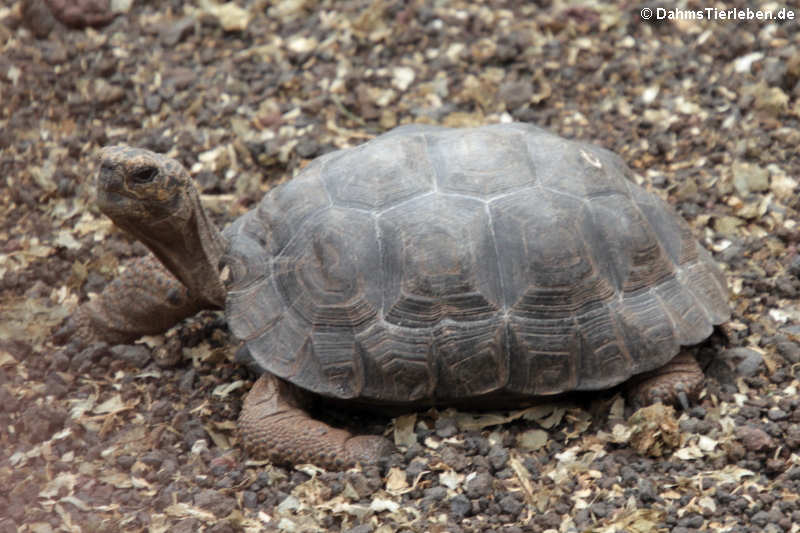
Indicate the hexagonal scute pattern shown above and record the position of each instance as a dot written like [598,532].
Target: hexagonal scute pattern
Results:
[327,274]
[437,265]
[287,206]
[464,166]
[400,363]
[439,262]
[379,174]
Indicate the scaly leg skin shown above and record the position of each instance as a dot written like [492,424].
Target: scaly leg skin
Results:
[145,299]
[674,383]
[274,425]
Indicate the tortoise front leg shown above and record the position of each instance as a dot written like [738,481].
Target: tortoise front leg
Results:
[275,426]
[674,383]
[144,300]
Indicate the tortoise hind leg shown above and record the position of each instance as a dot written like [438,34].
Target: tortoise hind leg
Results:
[274,425]
[674,383]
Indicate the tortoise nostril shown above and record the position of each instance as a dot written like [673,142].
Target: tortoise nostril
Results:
[106,173]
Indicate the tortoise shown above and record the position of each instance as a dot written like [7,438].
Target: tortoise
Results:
[428,266]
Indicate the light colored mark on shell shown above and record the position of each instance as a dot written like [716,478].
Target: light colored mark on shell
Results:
[591,159]
[225,274]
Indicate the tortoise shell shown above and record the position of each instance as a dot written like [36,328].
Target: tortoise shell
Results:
[436,265]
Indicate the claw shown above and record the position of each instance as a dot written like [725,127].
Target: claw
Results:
[76,330]
[683,398]
[67,331]
[62,334]
[656,396]
[679,390]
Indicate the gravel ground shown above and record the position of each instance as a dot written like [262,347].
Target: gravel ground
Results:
[141,438]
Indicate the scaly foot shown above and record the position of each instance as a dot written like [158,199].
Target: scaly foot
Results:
[274,425]
[677,382]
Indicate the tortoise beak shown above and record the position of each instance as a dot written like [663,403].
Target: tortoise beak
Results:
[110,186]
[107,179]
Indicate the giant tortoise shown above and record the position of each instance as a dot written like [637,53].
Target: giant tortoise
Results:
[428,266]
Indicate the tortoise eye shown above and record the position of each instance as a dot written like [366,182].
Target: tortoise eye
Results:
[144,175]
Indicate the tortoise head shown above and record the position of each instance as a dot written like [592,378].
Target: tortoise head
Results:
[152,197]
[142,191]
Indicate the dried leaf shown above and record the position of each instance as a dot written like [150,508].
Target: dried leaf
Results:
[532,440]
[581,421]
[707,503]
[66,240]
[226,388]
[621,433]
[404,430]
[204,353]
[523,476]
[379,504]
[349,492]
[654,430]
[469,422]
[357,510]
[140,483]
[462,119]
[402,77]
[231,17]
[642,520]
[63,481]
[688,452]
[451,479]
[432,443]
[729,474]
[184,510]
[80,504]
[221,440]
[151,341]
[546,416]
[706,443]
[6,359]
[117,479]
[396,481]
[617,410]
[113,405]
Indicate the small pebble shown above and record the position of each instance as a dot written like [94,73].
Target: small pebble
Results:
[777,414]
[446,427]
[136,355]
[498,457]
[480,485]
[460,506]
[511,505]
[789,351]
[753,438]
[362,528]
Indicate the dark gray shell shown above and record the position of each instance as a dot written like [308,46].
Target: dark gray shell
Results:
[437,265]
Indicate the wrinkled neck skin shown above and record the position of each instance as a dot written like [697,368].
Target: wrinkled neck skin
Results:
[189,244]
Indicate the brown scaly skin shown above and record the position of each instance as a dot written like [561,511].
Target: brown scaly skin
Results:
[153,198]
[677,382]
[271,416]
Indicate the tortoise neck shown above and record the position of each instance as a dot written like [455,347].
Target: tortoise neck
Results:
[192,252]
